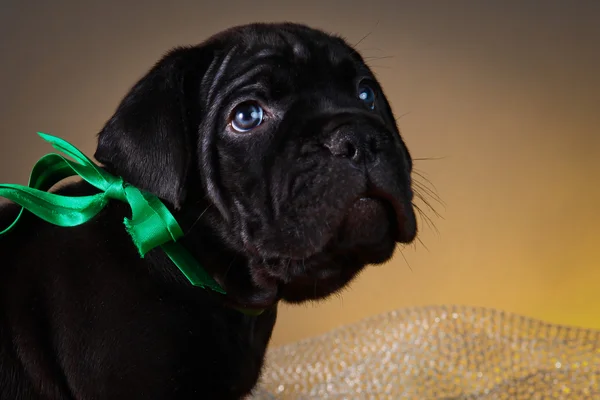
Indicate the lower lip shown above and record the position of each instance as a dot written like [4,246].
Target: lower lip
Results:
[402,227]
[363,220]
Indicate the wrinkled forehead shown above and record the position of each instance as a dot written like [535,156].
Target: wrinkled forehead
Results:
[299,44]
[291,60]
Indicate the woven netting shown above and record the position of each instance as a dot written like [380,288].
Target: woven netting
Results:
[438,353]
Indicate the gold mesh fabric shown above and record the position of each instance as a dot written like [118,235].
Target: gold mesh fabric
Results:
[438,353]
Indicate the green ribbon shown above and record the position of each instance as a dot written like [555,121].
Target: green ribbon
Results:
[151,224]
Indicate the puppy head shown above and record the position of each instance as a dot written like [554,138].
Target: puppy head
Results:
[285,138]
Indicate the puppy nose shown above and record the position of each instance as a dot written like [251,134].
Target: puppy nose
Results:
[353,146]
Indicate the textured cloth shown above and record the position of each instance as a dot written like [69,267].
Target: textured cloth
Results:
[438,353]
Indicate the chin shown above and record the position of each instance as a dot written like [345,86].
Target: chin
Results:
[367,234]
[357,245]
[325,278]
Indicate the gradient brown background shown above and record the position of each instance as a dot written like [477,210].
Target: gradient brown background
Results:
[507,93]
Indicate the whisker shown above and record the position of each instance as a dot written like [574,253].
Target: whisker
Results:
[401,116]
[425,218]
[379,66]
[424,196]
[201,200]
[423,176]
[428,158]
[422,244]
[406,260]
[372,48]
[365,37]
[362,39]
[229,266]
[418,186]
[200,216]
[427,193]
[428,188]
[374,58]
[427,203]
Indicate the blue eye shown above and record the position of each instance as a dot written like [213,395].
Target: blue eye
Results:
[367,95]
[246,117]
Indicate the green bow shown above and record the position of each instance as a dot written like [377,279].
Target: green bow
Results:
[151,225]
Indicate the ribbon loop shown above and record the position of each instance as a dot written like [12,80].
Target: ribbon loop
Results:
[116,190]
[151,225]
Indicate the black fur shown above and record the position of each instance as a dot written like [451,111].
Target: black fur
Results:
[290,211]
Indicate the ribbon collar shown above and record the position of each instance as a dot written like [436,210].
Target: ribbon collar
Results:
[151,225]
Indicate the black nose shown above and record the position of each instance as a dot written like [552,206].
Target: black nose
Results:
[354,146]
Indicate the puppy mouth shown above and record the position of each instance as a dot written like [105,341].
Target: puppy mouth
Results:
[375,215]
[368,232]
[363,222]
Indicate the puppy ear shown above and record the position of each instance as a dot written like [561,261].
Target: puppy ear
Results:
[150,140]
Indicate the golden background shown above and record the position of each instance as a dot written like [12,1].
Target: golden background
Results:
[504,95]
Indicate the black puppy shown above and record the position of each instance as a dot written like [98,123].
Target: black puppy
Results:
[277,151]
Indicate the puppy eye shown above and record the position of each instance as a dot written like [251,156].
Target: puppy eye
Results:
[367,95]
[246,117]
